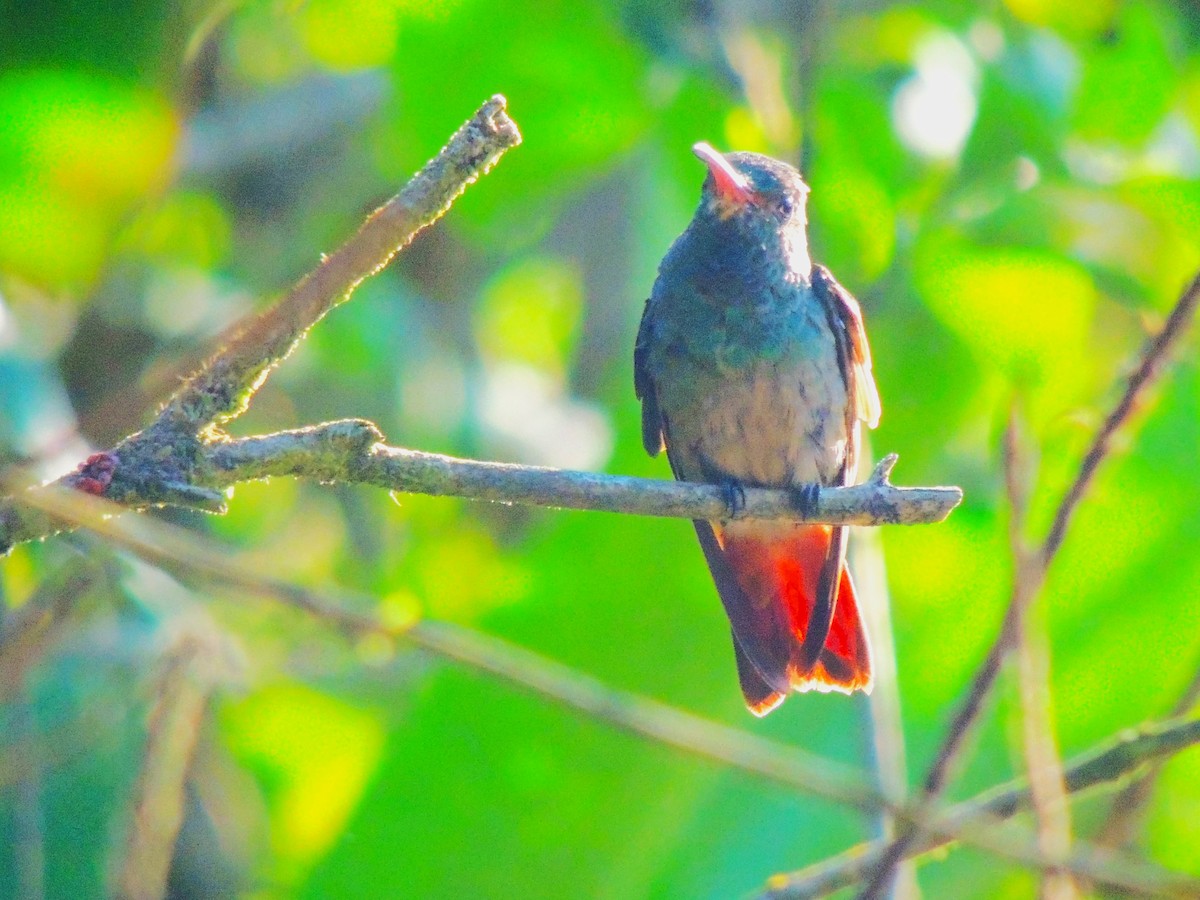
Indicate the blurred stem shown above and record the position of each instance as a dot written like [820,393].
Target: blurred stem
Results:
[809,27]
[173,548]
[1047,792]
[28,827]
[172,733]
[1048,795]
[887,728]
[1128,808]
[1108,762]
[1154,359]
[26,632]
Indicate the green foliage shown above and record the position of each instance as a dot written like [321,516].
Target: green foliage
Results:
[159,181]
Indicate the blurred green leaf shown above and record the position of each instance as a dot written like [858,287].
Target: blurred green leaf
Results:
[1026,312]
[1128,80]
[315,775]
[76,152]
[531,312]
[571,81]
[854,222]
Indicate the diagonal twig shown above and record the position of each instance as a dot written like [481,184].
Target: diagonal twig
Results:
[220,390]
[1129,805]
[1107,763]
[1154,358]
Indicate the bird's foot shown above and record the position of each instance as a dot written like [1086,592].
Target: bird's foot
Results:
[735,497]
[806,498]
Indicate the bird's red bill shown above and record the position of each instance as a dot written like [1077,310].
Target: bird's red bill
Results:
[732,185]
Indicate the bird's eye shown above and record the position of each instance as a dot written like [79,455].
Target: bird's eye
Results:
[784,206]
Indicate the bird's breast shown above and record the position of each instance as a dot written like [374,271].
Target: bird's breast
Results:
[764,409]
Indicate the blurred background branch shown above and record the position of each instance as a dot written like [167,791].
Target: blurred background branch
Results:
[1031,570]
[189,671]
[1110,762]
[174,720]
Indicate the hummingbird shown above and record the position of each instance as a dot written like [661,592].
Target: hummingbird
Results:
[753,370]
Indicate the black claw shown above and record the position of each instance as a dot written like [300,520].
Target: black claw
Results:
[806,498]
[735,497]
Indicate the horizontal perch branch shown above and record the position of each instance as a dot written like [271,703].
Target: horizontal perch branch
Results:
[352,451]
[183,459]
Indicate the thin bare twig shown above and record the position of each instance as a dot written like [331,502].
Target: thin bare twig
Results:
[220,390]
[350,451]
[1109,762]
[1154,358]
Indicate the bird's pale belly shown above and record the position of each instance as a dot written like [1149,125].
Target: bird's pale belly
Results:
[774,425]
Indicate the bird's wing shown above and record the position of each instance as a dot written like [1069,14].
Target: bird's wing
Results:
[643,384]
[846,321]
[854,357]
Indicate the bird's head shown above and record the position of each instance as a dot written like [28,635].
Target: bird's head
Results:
[757,197]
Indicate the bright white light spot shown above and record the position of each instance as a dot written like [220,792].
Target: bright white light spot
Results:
[986,39]
[1173,149]
[1027,175]
[530,413]
[8,328]
[51,439]
[934,109]
[433,393]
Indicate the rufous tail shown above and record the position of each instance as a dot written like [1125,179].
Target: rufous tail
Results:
[768,580]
